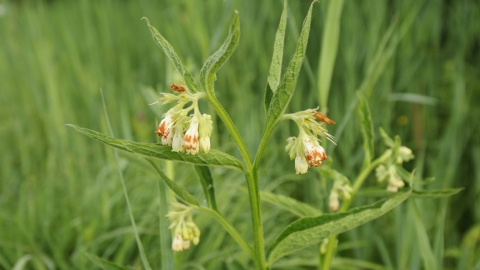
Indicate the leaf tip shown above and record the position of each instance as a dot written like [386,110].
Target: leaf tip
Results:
[145,19]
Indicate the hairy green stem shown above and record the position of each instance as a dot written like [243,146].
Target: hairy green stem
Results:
[252,183]
[230,229]
[356,186]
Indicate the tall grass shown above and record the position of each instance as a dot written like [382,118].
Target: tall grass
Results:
[59,192]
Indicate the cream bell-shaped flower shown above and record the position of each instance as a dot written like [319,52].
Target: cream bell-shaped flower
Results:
[190,140]
[177,243]
[164,129]
[301,165]
[204,132]
[177,142]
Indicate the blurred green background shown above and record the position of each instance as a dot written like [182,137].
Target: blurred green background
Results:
[417,61]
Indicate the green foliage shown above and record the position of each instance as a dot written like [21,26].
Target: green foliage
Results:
[284,93]
[212,158]
[60,195]
[277,58]
[104,264]
[172,55]
[181,193]
[208,73]
[367,128]
[308,231]
[206,180]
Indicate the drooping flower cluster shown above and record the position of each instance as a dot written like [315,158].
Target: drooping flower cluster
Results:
[185,133]
[306,148]
[185,230]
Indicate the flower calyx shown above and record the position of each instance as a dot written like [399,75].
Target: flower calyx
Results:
[181,130]
[185,230]
[306,148]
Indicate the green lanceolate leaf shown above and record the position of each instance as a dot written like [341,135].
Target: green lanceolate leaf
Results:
[308,231]
[172,55]
[285,90]
[212,158]
[367,128]
[293,206]
[216,60]
[277,58]
[276,64]
[177,189]
[435,193]
[416,194]
[206,180]
[104,264]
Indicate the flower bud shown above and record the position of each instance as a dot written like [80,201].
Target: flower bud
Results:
[177,244]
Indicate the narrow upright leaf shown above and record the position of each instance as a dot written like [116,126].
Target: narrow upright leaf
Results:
[367,127]
[212,158]
[206,180]
[277,58]
[216,60]
[276,64]
[308,231]
[172,55]
[285,90]
[177,189]
[388,141]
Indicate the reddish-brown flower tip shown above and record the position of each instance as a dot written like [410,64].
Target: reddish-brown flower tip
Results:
[323,118]
[177,88]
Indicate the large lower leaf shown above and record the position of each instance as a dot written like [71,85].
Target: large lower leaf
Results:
[308,231]
[172,55]
[216,60]
[212,158]
[285,90]
[176,188]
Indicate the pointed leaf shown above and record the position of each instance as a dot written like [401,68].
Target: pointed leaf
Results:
[216,60]
[308,231]
[212,158]
[435,193]
[177,189]
[206,180]
[285,90]
[367,127]
[104,264]
[172,55]
[276,65]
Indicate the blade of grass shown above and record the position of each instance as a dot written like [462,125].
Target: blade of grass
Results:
[143,256]
[326,62]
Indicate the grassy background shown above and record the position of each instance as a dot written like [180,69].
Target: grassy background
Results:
[60,194]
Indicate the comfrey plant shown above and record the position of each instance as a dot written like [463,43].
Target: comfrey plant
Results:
[185,137]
